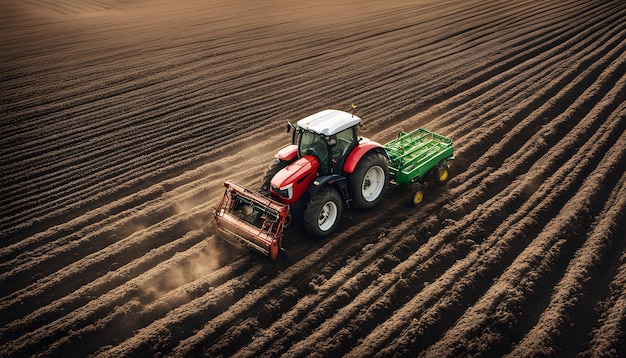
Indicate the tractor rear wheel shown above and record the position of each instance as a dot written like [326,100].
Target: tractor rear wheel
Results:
[369,181]
[322,213]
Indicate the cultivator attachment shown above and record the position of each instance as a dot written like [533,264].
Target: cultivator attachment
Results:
[248,218]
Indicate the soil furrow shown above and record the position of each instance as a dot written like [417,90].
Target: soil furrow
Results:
[90,266]
[524,275]
[49,334]
[608,337]
[123,276]
[557,323]
[481,219]
[121,120]
[502,213]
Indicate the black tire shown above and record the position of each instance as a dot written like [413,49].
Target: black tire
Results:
[441,173]
[367,193]
[275,166]
[323,212]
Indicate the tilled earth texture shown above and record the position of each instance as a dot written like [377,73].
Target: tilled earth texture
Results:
[121,119]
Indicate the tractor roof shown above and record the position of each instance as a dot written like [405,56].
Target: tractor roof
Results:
[329,121]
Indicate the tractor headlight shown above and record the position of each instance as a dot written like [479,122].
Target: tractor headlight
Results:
[285,192]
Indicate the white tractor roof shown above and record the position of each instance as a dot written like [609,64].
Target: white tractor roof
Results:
[329,121]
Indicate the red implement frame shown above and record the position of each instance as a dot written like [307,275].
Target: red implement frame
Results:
[248,218]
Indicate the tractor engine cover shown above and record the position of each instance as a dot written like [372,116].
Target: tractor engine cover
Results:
[288,185]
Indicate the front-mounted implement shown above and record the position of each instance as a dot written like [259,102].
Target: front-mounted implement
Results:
[245,217]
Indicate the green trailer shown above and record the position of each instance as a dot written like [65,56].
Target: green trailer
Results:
[417,156]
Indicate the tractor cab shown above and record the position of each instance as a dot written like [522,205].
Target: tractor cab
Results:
[329,136]
[321,148]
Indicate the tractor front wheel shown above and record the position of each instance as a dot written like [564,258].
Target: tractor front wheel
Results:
[275,166]
[322,213]
[369,180]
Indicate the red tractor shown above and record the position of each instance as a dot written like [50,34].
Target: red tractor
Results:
[326,167]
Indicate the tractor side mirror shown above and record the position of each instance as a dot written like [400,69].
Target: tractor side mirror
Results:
[290,126]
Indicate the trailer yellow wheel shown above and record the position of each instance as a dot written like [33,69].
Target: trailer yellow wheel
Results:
[418,197]
[441,173]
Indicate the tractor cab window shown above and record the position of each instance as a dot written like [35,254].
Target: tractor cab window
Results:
[312,143]
[331,151]
[341,144]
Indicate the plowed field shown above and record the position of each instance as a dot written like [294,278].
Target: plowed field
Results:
[120,120]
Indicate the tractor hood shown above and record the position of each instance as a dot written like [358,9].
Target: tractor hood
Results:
[288,185]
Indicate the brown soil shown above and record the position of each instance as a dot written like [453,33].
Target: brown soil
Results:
[122,118]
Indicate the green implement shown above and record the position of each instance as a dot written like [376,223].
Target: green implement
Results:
[414,155]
